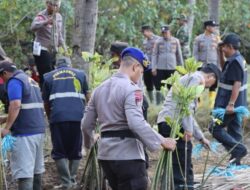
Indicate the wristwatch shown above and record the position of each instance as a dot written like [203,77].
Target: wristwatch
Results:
[231,103]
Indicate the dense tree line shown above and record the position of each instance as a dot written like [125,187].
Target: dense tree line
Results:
[121,20]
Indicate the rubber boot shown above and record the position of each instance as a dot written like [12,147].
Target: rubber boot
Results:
[158,97]
[211,95]
[63,171]
[25,184]
[73,168]
[37,182]
[151,96]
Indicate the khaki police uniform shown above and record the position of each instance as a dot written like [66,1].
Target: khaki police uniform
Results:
[166,56]
[50,38]
[205,49]
[148,45]
[117,103]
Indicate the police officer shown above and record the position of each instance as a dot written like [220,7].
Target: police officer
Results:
[183,35]
[232,93]
[116,103]
[207,76]
[64,91]
[47,26]
[205,50]
[166,55]
[25,121]
[148,45]
[205,45]
[116,49]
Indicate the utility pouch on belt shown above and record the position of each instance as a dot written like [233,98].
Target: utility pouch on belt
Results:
[121,133]
[37,48]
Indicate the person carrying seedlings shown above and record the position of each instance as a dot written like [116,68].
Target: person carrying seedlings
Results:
[232,93]
[64,92]
[47,26]
[208,76]
[25,121]
[117,107]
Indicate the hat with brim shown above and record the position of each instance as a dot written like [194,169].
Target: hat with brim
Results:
[63,61]
[212,68]
[6,65]
[210,23]
[232,39]
[165,28]
[117,47]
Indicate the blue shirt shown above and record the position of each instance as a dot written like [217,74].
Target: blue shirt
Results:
[15,89]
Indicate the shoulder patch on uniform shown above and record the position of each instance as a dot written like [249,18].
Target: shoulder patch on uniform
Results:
[138,97]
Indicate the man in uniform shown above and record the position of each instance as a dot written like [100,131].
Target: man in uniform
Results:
[205,50]
[117,103]
[166,55]
[25,121]
[116,49]
[232,93]
[47,26]
[207,76]
[183,35]
[148,45]
[64,93]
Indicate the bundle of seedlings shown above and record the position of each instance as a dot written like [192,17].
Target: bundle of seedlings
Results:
[92,178]
[183,95]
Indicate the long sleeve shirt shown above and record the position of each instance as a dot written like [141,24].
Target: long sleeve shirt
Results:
[170,107]
[117,105]
[166,54]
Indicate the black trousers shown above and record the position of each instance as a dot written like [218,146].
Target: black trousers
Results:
[125,174]
[44,64]
[66,139]
[162,75]
[148,80]
[179,154]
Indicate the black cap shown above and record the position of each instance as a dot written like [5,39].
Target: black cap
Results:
[232,39]
[117,47]
[165,28]
[146,27]
[210,23]
[212,68]
[6,65]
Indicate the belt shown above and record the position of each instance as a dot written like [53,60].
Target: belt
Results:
[121,133]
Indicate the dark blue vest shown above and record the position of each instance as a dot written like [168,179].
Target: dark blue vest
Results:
[225,87]
[66,95]
[30,119]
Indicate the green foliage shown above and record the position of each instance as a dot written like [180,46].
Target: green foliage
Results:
[183,94]
[100,69]
[15,20]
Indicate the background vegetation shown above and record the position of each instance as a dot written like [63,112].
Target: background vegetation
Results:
[119,20]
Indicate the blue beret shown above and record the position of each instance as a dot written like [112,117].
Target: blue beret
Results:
[136,54]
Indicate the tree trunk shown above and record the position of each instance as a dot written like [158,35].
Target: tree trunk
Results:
[84,31]
[213,10]
[191,3]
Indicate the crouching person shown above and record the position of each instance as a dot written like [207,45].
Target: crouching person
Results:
[25,121]
[207,76]
[117,104]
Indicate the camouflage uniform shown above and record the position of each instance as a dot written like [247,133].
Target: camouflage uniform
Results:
[182,35]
